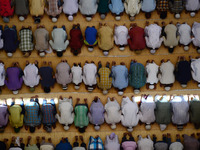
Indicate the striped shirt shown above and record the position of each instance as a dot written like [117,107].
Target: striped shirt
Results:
[81,115]
[26,40]
[104,81]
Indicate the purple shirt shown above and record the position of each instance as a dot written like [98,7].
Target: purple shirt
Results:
[14,75]
[96,114]
[3,115]
[129,145]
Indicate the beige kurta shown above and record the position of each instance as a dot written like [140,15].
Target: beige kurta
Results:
[36,7]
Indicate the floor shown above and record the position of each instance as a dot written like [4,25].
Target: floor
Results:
[114,55]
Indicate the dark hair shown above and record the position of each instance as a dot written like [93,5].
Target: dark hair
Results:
[47,89]
[170,50]
[163,15]
[59,54]
[81,130]
[32,129]
[148,15]
[75,52]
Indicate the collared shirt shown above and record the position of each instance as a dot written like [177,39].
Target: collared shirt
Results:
[48,114]
[105,38]
[121,35]
[137,38]
[41,39]
[145,144]
[152,71]
[132,7]
[59,42]
[176,6]
[176,146]
[184,31]
[120,76]
[3,115]
[104,82]
[113,113]
[14,75]
[130,117]
[46,74]
[53,9]
[88,7]
[195,66]
[64,146]
[180,110]
[148,5]
[26,40]
[192,5]
[31,77]
[95,143]
[137,75]
[15,117]
[36,7]
[112,142]
[196,33]
[96,114]
[89,74]
[63,74]
[70,7]
[162,5]
[90,36]
[66,116]
[76,74]
[190,143]
[32,116]
[167,73]
[116,6]
[81,118]
[152,36]
[2,74]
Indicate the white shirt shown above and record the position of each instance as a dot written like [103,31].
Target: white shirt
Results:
[121,35]
[192,5]
[132,7]
[145,144]
[46,147]
[88,7]
[195,65]
[147,110]
[1,40]
[176,146]
[196,33]
[76,74]
[113,113]
[58,43]
[167,73]
[152,71]
[70,7]
[180,108]
[31,77]
[89,74]
[130,115]
[3,74]
[184,31]
[66,116]
[153,33]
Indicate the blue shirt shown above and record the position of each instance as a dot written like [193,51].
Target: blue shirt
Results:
[120,76]
[95,143]
[64,146]
[148,5]
[116,6]
[90,35]
[46,74]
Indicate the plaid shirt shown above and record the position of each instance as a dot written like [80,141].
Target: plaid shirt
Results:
[162,5]
[26,43]
[32,116]
[104,81]
[176,6]
[95,144]
[53,8]
[48,114]
[81,115]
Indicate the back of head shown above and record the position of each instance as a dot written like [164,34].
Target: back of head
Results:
[47,89]
[60,54]
[81,130]
[163,15]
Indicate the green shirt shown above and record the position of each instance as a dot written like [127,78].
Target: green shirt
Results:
[81,115]
[195,111]
[103,6]
[31,147]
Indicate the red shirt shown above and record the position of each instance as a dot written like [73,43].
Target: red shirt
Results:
[137,40]
[76,41]
[5,8]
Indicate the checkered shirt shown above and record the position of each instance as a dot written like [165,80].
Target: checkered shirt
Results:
[162,5]
[53,8]
[95,144]
[81,115]
[26,43]
[48,114]
[177,6]
[104,81]
[32,118]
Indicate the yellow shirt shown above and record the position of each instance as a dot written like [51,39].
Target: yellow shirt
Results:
[15,117]
[36,7]
[104,82]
